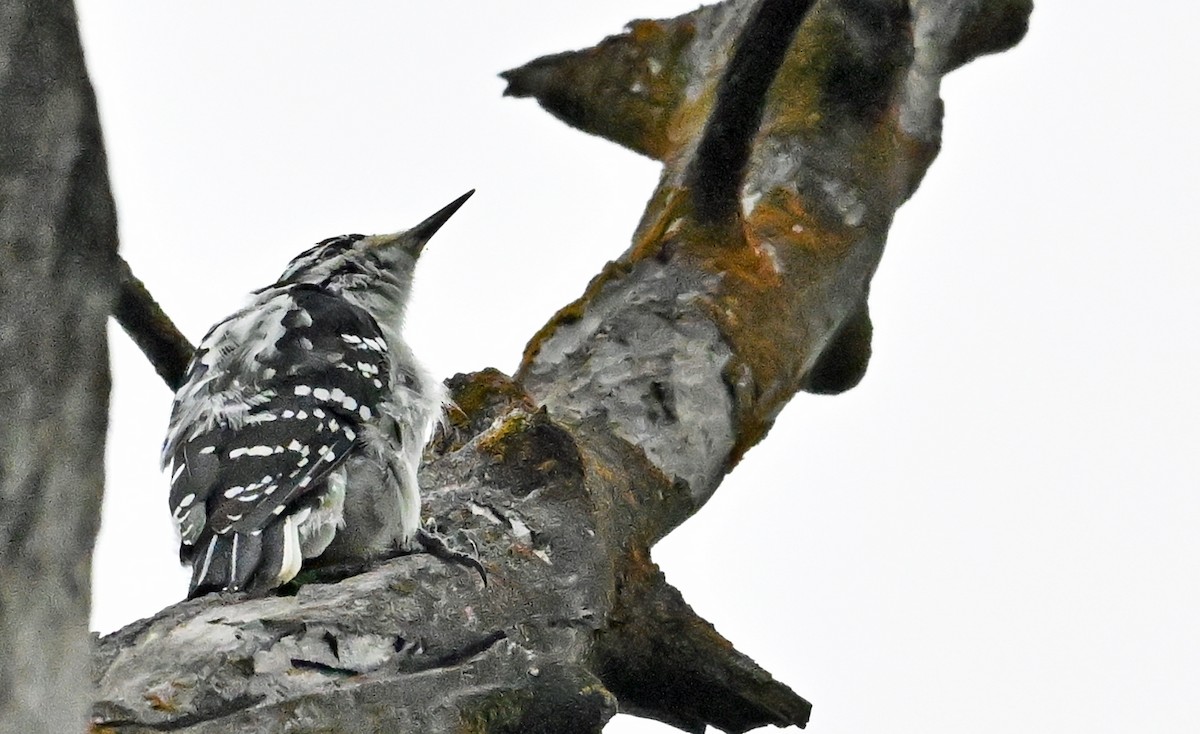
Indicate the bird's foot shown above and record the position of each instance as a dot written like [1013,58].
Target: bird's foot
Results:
[435,545]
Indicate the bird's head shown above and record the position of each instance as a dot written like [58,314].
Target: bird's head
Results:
[368,266]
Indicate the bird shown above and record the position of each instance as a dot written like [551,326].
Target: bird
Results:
[302,418]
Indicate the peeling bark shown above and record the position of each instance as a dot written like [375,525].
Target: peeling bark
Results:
[628,409]
[57,266]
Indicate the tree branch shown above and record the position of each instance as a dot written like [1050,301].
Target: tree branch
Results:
[715,175]
[832,160]
[630,406]
[665,662]
[168,350]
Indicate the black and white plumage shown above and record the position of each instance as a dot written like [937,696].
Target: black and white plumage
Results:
[300,425]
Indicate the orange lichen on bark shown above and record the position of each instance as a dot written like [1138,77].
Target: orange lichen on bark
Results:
[623,89]
[573,311]
[638,580]
[638,569]
[499,442]
[473,396]
[902,157]
[686,123]
[830,163]
[762,262]
[796,95]
[782,223]
[476,400]
[158,703]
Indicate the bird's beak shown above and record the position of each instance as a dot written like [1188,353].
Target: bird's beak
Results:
[423,231]
[413,240]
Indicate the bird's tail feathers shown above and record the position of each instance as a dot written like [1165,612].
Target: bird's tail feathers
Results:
[239,561]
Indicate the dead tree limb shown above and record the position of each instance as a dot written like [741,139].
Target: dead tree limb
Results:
[628,408]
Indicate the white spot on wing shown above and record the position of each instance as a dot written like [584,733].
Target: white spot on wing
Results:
[252,451]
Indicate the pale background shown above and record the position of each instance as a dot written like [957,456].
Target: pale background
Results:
[995,532]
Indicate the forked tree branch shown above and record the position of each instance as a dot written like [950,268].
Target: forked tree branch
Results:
[628,409]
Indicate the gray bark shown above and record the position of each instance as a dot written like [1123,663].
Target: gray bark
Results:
[627,411]
[559,517]
[57,274]
[726,321]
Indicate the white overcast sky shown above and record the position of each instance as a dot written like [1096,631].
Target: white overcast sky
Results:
[995,532]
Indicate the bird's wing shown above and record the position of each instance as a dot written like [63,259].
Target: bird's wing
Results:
[278,414]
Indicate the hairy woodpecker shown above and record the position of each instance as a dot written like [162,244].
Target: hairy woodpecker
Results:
[302,419]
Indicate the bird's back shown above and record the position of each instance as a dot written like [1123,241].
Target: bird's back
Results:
[277,398]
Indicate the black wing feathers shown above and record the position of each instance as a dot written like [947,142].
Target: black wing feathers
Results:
[326,375]
[332,344]
[285,450]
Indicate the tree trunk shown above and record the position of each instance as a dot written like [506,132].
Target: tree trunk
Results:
[786,153]
[57,267]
